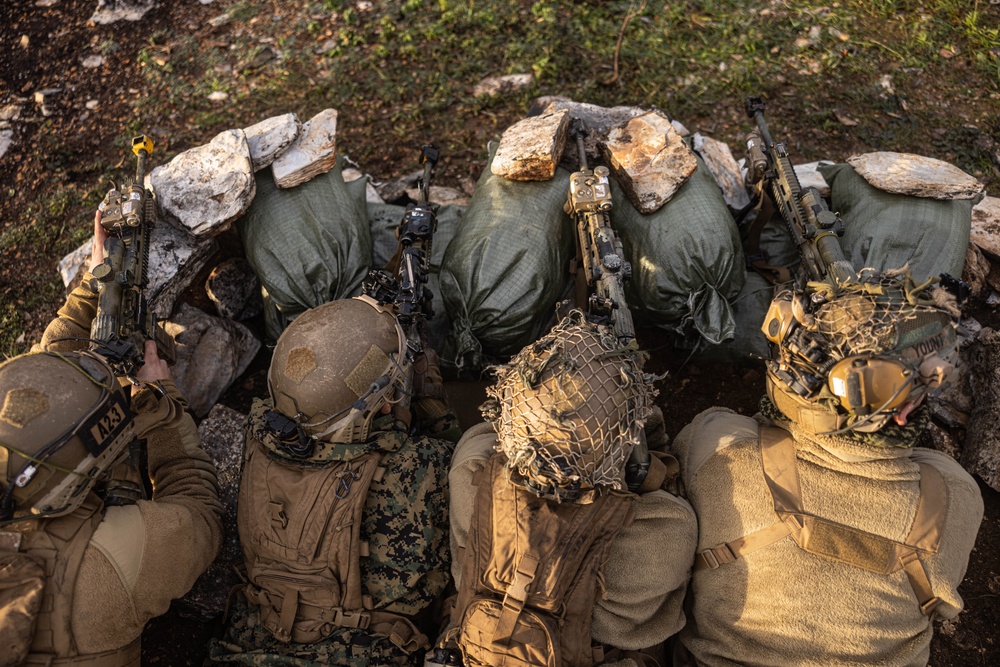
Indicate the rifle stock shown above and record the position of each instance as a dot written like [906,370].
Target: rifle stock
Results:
[124,320]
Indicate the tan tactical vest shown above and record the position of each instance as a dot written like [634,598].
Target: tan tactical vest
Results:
[836,541]
[299,524]
[531,572]
[39,564]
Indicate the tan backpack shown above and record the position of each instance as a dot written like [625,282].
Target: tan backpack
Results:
[836,541]
[532,571]
[299,524]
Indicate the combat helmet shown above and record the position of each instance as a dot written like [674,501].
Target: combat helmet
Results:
[333,370]
[853,356]
[569,408]
[64,421]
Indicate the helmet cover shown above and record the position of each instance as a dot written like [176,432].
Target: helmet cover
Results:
[569,408]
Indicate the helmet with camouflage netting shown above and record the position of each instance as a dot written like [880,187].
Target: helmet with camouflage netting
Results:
[64,421]
[853,356]
[569,408]
[333,370]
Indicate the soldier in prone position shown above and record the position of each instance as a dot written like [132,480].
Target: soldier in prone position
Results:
[86,560]
[555,561]
[825,536]
[343,515]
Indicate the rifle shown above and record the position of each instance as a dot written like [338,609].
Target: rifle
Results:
[602,269]
[812,225]
[124,320]
[411,263]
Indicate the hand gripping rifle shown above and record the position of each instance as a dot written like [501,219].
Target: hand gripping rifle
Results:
[124,320]
[411,263]
[602,269]
[813,226]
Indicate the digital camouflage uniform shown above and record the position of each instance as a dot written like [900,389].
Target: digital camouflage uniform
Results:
[405,522]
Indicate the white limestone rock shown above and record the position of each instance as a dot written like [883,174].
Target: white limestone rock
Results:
[268,138]
[204,189]
[599,121]
[915,175]
[111,11]
[441,195]
[496,85]
[531,148]
[175,259]
[681,130]
[809,176]
[211,354]
[720,162]
[372,196]
[313,152]
[649,160]
[986,226]
[234,289]
[6,140]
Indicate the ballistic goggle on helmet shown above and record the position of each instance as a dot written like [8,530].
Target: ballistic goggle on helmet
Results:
[856,355]
[333,370]
[569,408]
[64,421]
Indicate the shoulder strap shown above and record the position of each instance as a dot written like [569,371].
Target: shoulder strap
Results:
[843,543]
[60,543]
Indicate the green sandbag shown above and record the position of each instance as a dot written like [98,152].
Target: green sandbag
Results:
[308,245]
[687,259]
[887,230]
[506,267]
[383,220]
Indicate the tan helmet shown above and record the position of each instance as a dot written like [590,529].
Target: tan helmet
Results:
[64,421]
[333,369]
[569,408]
[851,356]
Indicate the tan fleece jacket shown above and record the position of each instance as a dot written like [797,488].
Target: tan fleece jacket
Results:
[145,555]
[780,605]
[647,570]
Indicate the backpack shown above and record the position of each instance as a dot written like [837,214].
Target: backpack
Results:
[532,571]
[300,526]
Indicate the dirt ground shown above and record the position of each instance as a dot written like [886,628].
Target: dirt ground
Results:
[59,160]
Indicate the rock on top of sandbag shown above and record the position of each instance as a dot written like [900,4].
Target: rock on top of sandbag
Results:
[204,189]
[268,138]
[531,148]
[649,159]
[314,152]
[726,172]
[599,121]
[915,175]
[986,225]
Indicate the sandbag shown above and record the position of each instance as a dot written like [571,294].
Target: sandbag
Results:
[383,220]
[687,259]
[506,268]
[308,245]
[886,230]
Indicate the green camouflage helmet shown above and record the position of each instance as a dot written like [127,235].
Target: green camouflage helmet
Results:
[64,421]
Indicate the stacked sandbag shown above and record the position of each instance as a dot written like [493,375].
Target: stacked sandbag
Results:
[687,259]
[506,267]
[308,245]
[900,208]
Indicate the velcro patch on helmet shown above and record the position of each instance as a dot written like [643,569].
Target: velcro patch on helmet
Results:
[22,405]
[371,366]
[301,362]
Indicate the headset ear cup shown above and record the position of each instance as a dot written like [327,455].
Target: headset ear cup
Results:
[855,392]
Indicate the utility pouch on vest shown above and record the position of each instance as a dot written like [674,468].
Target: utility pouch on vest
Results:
[22,580]
[532,571]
